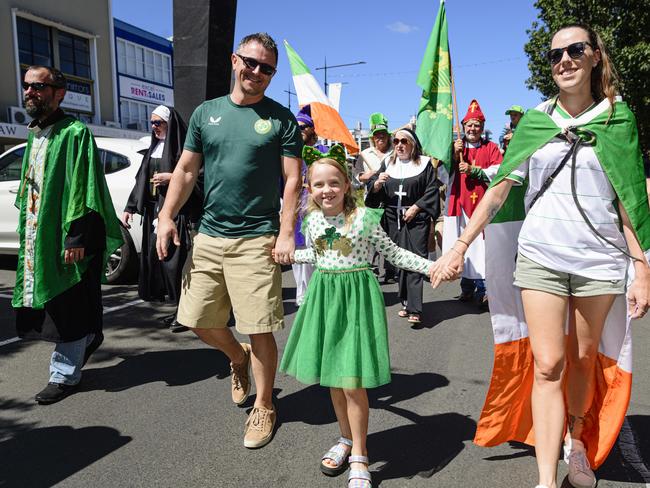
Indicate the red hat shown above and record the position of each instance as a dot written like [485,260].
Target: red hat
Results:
[474,112]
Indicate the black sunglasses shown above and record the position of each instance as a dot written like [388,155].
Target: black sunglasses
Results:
[251,64]
[575,50]
[38,86]
[157,123]
[403,140]
[303,127]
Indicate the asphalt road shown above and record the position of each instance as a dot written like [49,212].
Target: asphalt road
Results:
[154,409]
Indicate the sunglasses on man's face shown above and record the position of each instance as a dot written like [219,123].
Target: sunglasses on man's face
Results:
[251,64]
[403,140]
[303,127]
[157,123]
[575,51]
[37,86]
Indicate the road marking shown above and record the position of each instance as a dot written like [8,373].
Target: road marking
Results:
[124,305]
[9,341]
[106,310]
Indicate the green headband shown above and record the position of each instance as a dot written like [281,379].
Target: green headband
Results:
[310,154]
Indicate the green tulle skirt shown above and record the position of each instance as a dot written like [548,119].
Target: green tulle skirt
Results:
[339,337]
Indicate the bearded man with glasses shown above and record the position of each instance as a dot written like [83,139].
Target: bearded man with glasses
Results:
[246,143]
[67,228]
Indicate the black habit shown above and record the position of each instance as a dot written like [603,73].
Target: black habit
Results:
[159,280]
[422,190]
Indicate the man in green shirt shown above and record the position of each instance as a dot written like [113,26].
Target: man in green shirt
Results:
[248,145]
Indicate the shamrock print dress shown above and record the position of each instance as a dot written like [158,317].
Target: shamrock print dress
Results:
[339,337]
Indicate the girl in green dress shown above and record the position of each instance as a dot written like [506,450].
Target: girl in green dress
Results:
[339,336]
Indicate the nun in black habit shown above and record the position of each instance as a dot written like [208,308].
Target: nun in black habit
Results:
[407,188]
[161,280]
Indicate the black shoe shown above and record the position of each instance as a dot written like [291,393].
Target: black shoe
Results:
[175,327]
[482,303]
[54,392]
[93,346]
[169,319]
[466,296]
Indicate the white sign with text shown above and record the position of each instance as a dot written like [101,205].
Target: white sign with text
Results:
[146,92]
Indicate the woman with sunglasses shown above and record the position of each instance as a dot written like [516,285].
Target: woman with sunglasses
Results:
[405,185]
[160,280]
[562,372]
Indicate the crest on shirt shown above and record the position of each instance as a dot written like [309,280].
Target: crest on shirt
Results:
[214,121]
[262,126]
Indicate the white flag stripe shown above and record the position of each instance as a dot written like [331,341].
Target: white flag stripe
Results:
[309,91]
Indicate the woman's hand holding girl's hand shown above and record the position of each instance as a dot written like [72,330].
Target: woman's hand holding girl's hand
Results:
[638,296]
[449,267]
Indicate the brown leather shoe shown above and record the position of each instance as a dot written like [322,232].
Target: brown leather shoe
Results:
[240,377]
[259,427]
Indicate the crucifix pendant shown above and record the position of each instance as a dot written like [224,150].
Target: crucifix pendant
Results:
[400,193]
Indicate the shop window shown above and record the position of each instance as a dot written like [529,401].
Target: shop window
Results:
[34,43]
[74,55]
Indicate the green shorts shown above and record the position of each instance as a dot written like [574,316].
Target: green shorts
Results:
[534,276]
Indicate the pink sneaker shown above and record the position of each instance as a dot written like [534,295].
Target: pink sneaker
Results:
[580,473]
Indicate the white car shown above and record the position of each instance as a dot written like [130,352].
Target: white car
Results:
[121,162]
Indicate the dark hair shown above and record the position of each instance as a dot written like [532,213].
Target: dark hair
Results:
[264,39]
[56,77]
[603,77]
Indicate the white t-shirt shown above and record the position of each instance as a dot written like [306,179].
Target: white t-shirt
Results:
[554,234]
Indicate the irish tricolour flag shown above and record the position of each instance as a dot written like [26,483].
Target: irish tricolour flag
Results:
[327,121]
[507,412]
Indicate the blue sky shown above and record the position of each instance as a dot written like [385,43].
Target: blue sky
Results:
[486,46]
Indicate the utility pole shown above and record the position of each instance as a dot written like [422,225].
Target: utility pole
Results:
[289,96]
[330,66]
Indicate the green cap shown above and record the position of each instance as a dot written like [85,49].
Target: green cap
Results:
[515,108]
[378,122]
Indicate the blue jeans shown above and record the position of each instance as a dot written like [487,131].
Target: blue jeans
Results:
[67,360]
[473,286]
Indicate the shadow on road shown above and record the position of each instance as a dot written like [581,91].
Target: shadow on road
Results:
[422,448]
[49,455]
[154,366]
[628,460]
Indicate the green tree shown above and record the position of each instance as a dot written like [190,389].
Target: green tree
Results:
[624,26]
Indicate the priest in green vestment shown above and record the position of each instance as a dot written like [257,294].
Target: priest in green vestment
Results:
[67,227]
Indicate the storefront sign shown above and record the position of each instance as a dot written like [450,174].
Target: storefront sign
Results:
[78,96]
[146,92]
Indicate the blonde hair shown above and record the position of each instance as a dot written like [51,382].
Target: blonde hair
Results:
[415,152]
[349,202]
[604,79]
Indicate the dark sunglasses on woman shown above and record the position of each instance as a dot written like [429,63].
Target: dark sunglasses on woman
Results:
[403,140]
[157,123]
[575,50]
[251,64]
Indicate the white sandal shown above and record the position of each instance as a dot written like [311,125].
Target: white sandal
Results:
[359,478]
[339,455]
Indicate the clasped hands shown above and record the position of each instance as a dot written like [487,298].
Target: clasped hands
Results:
[448,268]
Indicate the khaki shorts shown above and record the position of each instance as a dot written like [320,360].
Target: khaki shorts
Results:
[239,274]
[534,276]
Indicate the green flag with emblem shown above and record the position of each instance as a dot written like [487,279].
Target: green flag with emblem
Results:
[434,122]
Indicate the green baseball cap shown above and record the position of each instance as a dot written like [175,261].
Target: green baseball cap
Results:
[515,108]
[378,122]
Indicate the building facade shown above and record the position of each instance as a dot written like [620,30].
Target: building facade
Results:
[144,74]
[75,36]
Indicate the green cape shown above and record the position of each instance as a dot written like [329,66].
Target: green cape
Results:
[617,149]
[73,185]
